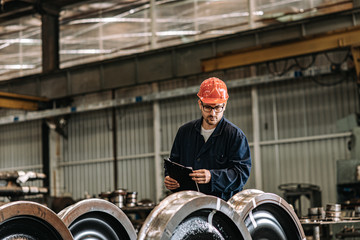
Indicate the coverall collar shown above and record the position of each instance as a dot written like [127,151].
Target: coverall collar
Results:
[218,130]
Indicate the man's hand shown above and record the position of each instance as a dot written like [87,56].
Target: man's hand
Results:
[171,183]
[201,176]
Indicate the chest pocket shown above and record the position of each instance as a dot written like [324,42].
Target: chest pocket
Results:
[222,160]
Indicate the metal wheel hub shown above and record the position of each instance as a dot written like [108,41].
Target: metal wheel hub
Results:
[102,228]
[265,226]
[31,228]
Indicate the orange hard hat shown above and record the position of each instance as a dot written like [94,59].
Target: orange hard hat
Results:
[213,91]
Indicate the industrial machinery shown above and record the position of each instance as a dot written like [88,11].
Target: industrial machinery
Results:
[348,170]
[293,193]
[330,223]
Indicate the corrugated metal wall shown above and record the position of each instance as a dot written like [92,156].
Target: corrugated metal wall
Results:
[300,142]
[88,154]
[21,148]
[136,150]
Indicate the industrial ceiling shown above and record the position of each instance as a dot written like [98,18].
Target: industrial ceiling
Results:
[92,31]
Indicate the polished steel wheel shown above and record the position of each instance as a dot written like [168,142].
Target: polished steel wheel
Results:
[190,215]
[97,219]
[267,216]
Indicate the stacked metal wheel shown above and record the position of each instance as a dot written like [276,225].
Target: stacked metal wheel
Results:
[186,215]
[30,220]
[87,219]
[250,214]
[267,216]
[97,219]
[193,215]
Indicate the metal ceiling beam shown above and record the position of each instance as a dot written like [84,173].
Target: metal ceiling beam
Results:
[179,92]
[12,9]
[16,13]
[50,41]
[324,42]
[18,101]
[172,62]
[18,104]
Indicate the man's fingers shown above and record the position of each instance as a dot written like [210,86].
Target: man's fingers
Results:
[170,180]
[171,183]
[201,176]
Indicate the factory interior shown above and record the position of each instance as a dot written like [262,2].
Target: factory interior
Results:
[93,93]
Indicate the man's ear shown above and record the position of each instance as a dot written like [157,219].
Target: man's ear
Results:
[199,102]
[225,105]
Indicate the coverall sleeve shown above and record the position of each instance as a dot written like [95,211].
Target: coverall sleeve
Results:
[234,177]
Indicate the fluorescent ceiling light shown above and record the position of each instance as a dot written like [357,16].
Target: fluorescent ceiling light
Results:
[17,66]
[101,5]
[115,37]
[21,40]
[177,33]
[86,51]
[110,20]
[162,20]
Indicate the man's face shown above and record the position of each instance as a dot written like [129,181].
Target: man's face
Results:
[212,114]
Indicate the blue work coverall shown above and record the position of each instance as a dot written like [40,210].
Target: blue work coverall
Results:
[226,154]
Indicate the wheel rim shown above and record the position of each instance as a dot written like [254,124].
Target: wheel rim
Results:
[267,216]
[97,219]
[29,220]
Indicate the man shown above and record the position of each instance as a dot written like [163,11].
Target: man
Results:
[215,148]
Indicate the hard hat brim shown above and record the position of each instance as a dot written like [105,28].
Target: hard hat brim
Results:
[213,100]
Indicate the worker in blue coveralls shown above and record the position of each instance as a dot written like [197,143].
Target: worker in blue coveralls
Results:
[215,148]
